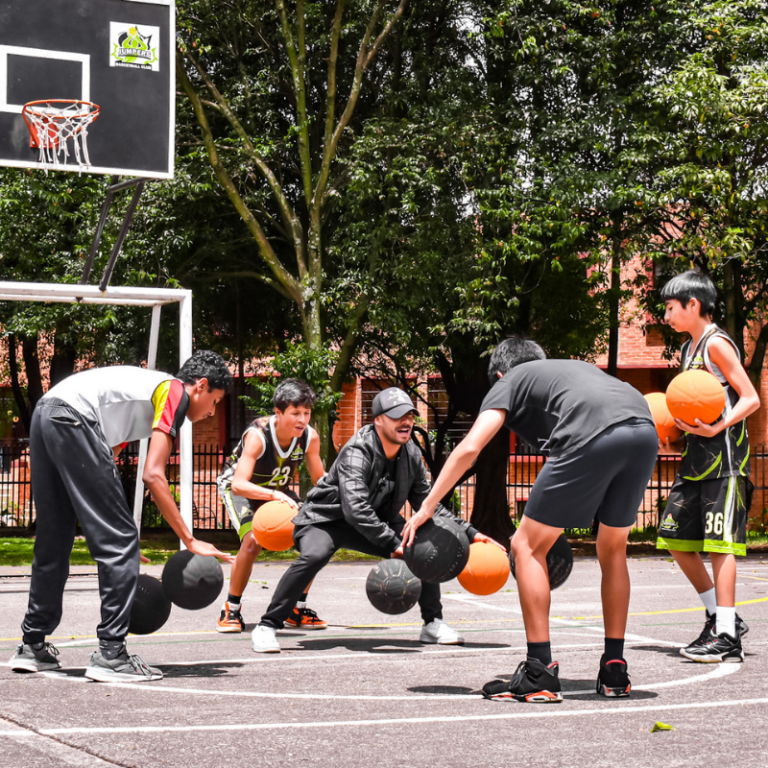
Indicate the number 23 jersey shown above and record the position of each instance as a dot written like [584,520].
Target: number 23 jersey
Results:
[275,467]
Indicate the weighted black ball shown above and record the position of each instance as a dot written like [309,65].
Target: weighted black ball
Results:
[192,581]
[439,551]
[559,562]
[151,606]
[392,588]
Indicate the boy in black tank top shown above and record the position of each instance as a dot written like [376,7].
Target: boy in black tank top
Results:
[260,470]
[707,507]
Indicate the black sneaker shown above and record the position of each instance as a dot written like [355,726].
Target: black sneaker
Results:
[716,648]
[613,679]
[124,667]
[533,682]
[709,630]
[39,657]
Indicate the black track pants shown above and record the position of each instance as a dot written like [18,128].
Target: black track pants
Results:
[317,544]
[74,478]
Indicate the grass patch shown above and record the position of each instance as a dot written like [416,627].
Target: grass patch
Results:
[19,552]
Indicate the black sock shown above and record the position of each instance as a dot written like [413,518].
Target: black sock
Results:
[540,651]
[234,598]
[110,649]
[614,648]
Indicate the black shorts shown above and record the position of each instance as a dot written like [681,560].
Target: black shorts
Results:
[706,516]
[605,479]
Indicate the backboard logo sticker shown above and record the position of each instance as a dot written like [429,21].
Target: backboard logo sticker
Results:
[134,46]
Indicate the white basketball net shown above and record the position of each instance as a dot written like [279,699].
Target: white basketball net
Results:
[54,124]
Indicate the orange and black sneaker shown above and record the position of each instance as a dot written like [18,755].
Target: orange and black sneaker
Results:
[230,620]
[613,678]
[305,618]
[533,682]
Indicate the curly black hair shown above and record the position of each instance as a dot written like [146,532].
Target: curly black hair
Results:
[205,364]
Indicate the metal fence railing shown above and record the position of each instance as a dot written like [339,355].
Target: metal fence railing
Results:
[17,505]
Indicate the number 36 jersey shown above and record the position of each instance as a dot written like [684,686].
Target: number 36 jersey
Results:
[274,466]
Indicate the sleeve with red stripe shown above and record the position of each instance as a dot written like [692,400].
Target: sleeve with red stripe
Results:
[171,402]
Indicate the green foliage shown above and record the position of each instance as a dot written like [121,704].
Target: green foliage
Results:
[298,362]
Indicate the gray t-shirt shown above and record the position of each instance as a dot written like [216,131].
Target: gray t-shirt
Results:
[558,406]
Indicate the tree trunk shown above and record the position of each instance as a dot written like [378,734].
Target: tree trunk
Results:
[32,366]
[13,369]
[64,358]
[490,513]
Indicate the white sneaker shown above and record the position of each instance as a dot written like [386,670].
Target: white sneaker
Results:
[264,639]
[437,631]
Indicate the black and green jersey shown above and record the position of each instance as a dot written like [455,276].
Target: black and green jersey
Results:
[274,467]
[727,453]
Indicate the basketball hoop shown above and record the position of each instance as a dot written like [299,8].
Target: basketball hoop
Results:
[53,123]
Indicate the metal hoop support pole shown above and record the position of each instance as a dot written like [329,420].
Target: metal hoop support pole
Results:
[111,190]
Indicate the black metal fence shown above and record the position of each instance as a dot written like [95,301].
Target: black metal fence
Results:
[17,506]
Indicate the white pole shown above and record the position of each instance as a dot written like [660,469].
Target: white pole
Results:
[185,436]
[138,496]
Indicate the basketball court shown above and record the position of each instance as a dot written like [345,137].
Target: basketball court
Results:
[366,692]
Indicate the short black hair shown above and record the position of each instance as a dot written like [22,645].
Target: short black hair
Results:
[293,392]
[205,364]
[692,285]
[512,352]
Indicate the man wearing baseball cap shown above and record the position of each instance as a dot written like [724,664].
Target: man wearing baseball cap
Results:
[357,505]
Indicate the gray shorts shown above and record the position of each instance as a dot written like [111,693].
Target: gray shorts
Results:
[605,479]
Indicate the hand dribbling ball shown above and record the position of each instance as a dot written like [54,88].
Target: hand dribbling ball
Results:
[439,551]
[695,394]
[151,606]
[559,562]
[192,581]
[662,418]
[392,588]
[273,526]
[487,569]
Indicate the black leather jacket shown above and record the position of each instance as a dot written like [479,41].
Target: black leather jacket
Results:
[344,493]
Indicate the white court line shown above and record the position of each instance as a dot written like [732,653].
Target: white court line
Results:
[722,670]
[620,709]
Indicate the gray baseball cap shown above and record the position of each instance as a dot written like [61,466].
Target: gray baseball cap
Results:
[392,402]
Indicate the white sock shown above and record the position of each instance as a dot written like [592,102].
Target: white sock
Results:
[709,600]
[234,606]
[301,604]
[726,621]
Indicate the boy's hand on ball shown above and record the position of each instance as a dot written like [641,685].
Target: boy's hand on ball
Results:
[489,540]
[198,547]
[699,428]
[280,496]
[416,521]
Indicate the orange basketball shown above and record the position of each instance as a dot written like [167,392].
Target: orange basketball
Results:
[272,526]
[487,569]
[695,395]
[662,418]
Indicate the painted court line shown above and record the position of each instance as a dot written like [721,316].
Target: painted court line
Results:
[721,670]
[619,709]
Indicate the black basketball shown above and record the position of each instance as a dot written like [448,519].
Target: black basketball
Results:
[151,606]
[559,562]
[192,581]
[439,552]
[392,588]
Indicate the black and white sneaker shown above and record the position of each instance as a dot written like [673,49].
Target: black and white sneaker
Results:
[123,668]
[613,679]
[533,682]
[716,648]
[40,657]
[709,631]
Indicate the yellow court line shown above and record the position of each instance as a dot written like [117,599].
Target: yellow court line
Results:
[677,610]
[403,624]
